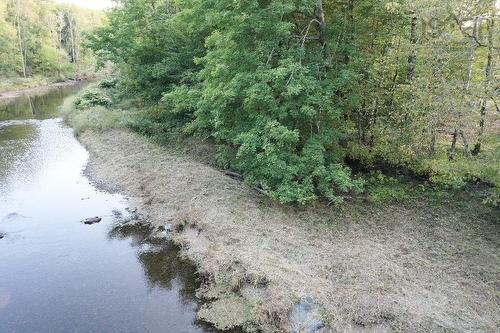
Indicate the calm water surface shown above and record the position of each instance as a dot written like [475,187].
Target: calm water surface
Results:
[58,274]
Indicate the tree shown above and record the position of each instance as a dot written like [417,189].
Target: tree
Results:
[293,92]
[41,31]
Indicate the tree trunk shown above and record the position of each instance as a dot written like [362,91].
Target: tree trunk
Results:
[320,16]
[351,34]
[432,149]
[458,114]
[487,83]
[22,50]
[73,43]
[436,73]
[412,58]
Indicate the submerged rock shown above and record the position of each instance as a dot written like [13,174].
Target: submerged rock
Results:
[12,217]
[2,235]
[92,220]
[305,317]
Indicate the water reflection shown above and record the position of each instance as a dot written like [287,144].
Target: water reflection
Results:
[38,106]
[159,258]
[162,265]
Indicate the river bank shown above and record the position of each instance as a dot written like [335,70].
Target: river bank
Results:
[38,88]
[360,267]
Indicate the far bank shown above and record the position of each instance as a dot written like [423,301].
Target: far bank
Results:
[37,88]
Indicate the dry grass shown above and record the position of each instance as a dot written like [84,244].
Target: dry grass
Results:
[370,268]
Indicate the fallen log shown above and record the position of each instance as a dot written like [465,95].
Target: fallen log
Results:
[241,177]
[233,174]
[261,191]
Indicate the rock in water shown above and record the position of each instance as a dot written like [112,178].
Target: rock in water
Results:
[92,220]
[2,235]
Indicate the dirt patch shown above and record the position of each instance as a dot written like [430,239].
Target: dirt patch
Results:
[369,268]
[36,90]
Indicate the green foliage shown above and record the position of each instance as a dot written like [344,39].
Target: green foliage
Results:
[238,73]
[85,112]
[8,61]
[386,189]
[154,49]
[275,103]
[108,83]
[289,89]
[43,38]
[493,198]
[92,97]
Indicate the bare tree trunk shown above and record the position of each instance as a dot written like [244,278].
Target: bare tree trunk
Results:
[412,58]
[22,50]
[392,89]
[487,83]
[320,16]
[60,26]
[432,129]
[352,33]
[72,36]
[465,142]
[453,144]
[458,131]
[75,42]
[436,73]
[432,149]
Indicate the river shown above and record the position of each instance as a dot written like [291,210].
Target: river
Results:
[58,274]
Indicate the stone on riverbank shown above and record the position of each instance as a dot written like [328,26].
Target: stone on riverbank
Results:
[305,317]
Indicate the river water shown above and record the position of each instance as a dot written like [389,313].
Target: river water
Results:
[58,274]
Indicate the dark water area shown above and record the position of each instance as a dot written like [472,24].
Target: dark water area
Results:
[58,274]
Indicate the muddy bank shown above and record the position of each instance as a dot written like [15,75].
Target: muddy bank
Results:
[358,267]
[37,90]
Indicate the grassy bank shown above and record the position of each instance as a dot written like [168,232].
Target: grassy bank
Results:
[390,260]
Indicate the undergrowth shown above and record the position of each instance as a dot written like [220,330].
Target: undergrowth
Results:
[101,107]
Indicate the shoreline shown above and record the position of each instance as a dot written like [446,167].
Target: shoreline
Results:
[356,268]
[37,89]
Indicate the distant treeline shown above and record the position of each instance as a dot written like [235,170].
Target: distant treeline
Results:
[43,38]
[296,92]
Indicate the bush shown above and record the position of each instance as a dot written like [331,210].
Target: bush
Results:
[92,97]
[108,83]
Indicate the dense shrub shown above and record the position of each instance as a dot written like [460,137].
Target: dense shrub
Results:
[108,83]
[92,97]
[289,89]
